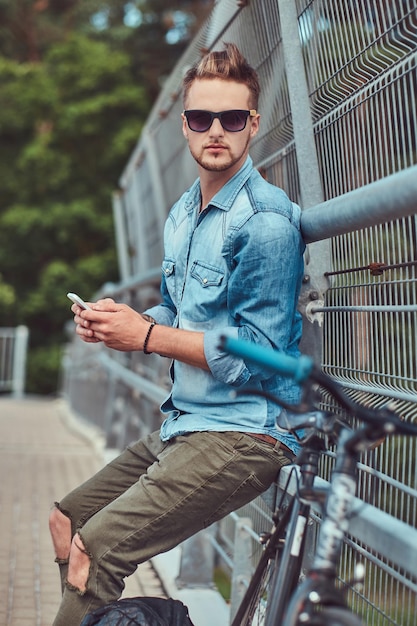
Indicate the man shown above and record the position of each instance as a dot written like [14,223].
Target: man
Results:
[232,264]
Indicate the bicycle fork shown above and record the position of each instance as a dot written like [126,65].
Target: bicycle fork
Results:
[319,587]
[289,564]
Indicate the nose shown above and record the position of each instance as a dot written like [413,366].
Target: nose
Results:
[216,128]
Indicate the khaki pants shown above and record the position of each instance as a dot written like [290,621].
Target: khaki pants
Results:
[152,497]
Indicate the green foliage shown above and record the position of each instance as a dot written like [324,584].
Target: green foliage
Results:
[43,367]
[77,80]
[7,303]
[223,583]
[66,128]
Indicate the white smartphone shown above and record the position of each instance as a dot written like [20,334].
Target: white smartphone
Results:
[78,300]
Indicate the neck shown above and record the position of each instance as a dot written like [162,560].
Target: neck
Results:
[210,187]
[211,182]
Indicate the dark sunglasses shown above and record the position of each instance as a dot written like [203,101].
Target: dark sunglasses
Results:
[233,121]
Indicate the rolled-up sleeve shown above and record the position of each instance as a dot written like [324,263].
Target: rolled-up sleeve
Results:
[229,369]
[161,314]
[267,267]
[164,313]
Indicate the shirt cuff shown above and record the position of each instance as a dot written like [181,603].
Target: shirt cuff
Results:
[225,367]
[161,315]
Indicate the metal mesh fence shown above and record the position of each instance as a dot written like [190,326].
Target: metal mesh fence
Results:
[358,64]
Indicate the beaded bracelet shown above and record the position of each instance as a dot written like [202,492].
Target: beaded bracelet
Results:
[148,334]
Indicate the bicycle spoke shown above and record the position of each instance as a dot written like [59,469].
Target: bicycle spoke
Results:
[255,614]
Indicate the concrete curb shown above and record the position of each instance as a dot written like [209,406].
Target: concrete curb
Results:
[206,606]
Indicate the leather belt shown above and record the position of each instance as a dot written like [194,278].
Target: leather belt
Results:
[271,440]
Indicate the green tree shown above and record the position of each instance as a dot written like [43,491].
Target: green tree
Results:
[77,80]
[66,128]
[154,33]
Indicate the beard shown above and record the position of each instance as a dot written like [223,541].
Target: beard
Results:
[221,162]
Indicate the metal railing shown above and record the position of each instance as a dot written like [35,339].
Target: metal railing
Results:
[339,134]
[13,351]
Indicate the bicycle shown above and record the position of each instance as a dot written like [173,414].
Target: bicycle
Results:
[275,596]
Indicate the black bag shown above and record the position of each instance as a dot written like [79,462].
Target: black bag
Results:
[140,612]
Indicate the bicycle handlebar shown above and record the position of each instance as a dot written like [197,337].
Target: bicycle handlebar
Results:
[297,368]
[301,369]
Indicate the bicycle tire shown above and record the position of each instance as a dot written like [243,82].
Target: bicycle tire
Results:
[336,616]
[277,568]
[255,610]
[252,609]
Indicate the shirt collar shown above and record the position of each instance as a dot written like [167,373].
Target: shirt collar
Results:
[226,196]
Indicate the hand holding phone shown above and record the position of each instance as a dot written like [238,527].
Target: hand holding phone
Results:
[77,300]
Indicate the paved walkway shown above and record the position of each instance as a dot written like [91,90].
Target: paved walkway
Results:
[41,458]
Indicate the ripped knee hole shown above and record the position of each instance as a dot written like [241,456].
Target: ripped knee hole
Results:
[81,547]
[79,566]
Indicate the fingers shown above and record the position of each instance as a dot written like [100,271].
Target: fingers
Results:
[97,316]
[76,309]
[107,304]
[83,326]
[89,322]
[116,325]
[86,334]
[80,320]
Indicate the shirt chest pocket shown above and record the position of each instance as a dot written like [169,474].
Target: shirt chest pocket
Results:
[206,275]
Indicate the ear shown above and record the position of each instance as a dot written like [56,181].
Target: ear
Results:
[184,126]
[254,127]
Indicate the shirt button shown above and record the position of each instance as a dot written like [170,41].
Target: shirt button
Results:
[205,280]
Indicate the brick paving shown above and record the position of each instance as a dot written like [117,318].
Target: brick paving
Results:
[41,458]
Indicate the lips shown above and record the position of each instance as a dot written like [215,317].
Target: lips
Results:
[215,147]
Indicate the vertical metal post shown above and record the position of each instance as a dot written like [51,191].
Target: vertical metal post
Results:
[242,566]
[19,361]
[308,166]
[157,179]
[140,238]
[122,245]
[110,407]
[318,255]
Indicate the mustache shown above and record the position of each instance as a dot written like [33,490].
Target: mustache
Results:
[215,144]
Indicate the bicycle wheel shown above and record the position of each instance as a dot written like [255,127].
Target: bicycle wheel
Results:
[277,573]
[336,616]
[254,610]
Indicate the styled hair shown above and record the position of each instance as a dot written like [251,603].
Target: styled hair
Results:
[227,64]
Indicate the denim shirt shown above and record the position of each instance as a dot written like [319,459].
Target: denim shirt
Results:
[234,268]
